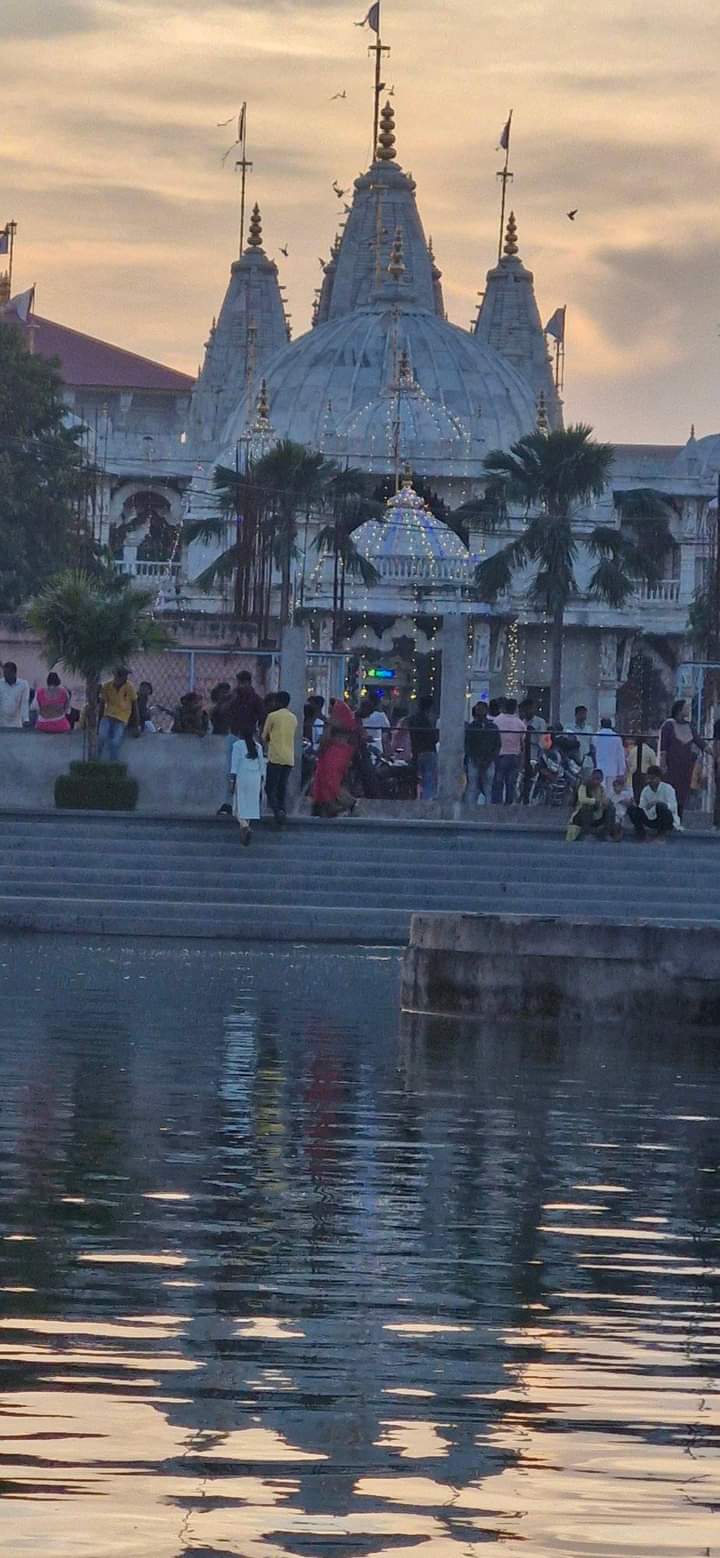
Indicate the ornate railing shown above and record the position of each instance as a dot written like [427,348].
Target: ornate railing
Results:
[425,570]
[141,570]
[664,592]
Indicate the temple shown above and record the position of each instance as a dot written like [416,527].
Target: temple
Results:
[383,384]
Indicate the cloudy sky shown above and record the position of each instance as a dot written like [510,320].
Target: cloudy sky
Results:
[127,219]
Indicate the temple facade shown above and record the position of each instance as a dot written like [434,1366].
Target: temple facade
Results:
[383,383]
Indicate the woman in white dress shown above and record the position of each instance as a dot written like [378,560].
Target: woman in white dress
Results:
[247,769]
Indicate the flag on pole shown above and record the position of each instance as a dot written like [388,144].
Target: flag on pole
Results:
[504,142]
[4,240]
[556,325]
[372,20]
[19,307]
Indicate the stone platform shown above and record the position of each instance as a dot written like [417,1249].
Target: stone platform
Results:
[511,967]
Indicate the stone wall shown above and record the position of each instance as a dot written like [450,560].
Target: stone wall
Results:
[179,776]
[511,967]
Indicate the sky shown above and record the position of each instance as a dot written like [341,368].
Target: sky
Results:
[127,219]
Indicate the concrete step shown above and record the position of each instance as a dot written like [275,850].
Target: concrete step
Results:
[97,917]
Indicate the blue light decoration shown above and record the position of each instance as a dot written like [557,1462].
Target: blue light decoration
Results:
[380,673]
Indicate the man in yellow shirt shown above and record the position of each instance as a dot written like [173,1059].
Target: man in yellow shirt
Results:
[117,702]
[279,739]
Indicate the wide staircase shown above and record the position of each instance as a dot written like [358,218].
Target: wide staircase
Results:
[350,881]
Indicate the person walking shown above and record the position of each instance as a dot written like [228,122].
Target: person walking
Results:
[14,699]
[507,763]
[52,703]
[243,713]
[482,746]
[679,747]
[424,740]
[118,699]
[279,739]
[328,792]
[247,776]
[658,811]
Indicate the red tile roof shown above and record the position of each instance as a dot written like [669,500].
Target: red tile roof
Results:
[88,363]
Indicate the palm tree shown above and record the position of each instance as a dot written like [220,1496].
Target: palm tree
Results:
[294,480]
[237,509]
[552,475]
[92,622]
[262,504]
[347,492]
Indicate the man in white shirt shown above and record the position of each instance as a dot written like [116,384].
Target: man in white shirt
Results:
[585,740]
[658,810]
[14,699]
[377,725]
[610,754]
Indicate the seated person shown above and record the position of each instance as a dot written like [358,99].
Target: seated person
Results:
[190,716]
[622,800]
[657,812]
[594,814]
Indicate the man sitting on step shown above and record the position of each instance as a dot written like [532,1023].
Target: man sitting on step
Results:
[657,812]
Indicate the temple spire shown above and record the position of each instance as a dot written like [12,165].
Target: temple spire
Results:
[385,151]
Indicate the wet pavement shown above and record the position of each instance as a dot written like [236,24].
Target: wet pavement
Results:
[282,1273]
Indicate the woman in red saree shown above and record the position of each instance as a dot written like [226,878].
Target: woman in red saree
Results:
[337,749]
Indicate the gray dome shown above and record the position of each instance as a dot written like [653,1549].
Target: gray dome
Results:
[343,387]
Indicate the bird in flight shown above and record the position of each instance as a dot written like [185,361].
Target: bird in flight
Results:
[338,191]
[571,215]
[339,97]
[284,250]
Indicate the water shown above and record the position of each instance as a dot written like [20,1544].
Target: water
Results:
[282,1274]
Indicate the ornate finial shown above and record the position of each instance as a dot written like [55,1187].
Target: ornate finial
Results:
[263,409]
[541,421]
[405,375]
[510,247]
[386,140]
[692,432]
[396,267]
[407,474]
[255,230]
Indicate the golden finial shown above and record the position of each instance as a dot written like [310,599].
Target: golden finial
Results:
[255,231]
[510,247]
[386,140]
[396,267]
[541,421]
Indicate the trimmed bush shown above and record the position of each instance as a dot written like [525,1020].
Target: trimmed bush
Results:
[96,787]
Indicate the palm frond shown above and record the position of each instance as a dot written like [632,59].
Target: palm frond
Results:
[495,575]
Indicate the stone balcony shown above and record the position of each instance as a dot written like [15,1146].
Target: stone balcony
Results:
[156,573]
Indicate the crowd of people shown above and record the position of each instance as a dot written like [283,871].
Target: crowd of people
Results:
[612,785]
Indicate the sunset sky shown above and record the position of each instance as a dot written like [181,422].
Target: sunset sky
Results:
[127,219]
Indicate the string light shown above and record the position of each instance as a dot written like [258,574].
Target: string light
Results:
[512,658]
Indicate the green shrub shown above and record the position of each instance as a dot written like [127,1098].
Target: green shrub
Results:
[96,787]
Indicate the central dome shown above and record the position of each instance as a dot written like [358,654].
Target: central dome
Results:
[392,380]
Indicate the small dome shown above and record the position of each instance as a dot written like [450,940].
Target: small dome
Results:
[411,544]
[700,458]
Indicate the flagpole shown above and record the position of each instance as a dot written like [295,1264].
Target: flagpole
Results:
[11,230]
[243,165]
[376,99]
[506,178]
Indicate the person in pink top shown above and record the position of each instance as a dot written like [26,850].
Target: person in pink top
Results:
[52,703]
[507,763]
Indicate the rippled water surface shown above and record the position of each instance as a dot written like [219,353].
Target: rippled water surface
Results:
[281,1273]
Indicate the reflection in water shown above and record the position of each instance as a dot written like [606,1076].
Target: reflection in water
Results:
[283,1274]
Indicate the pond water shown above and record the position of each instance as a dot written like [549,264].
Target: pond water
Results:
[284,1273]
